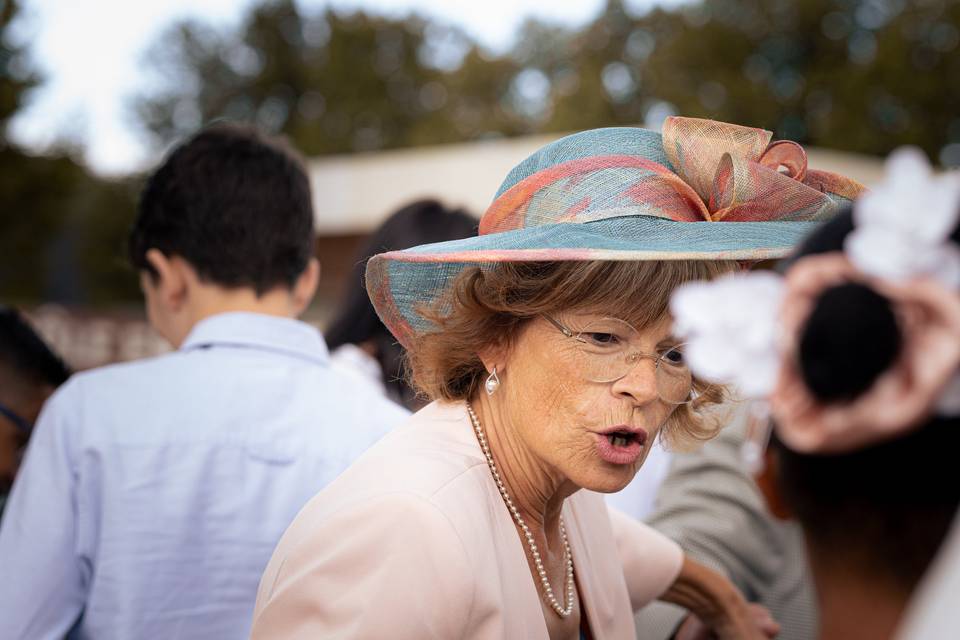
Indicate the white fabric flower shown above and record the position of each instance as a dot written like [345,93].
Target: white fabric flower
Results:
[903,225]
[902,230]
[730,328]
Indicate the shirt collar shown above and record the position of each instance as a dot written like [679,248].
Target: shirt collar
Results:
[258,331]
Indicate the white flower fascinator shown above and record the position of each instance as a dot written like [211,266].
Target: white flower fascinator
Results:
[902,226]
[730,329]
[901,231]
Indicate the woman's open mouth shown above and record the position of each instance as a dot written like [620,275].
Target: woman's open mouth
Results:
[620,446]
[620,439]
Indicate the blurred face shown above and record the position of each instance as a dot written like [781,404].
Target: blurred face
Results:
[596,434]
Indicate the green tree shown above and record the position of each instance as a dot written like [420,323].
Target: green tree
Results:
[63,233]
[333,82]
[15,79]
[859,75]
[61,229]
[854,75]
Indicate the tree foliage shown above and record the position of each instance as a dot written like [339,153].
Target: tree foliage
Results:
[15,79]
[332,82]
[61,229]
[860,75]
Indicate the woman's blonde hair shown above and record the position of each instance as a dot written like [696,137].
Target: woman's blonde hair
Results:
[488,305]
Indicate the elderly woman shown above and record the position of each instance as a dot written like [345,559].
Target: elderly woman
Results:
[545,343]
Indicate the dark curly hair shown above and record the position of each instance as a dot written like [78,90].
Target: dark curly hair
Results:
[232,203]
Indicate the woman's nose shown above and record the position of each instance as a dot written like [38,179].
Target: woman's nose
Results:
[640,383]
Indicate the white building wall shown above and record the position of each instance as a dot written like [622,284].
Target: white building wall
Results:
[354,193]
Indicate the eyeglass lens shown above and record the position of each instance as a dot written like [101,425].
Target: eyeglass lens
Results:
[609,349]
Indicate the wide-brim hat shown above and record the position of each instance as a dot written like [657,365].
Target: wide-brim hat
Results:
[701,190]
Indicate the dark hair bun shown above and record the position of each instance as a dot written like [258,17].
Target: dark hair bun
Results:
[850,338]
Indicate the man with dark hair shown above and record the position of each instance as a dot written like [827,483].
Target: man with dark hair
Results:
[237,208]
[29,373]
[153,493]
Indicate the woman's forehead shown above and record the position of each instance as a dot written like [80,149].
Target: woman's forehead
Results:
[661,324]
[635,314]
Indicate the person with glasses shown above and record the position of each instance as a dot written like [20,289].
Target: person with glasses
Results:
[29,372]
[545,344]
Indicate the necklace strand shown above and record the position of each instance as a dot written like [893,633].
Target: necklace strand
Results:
[528,535]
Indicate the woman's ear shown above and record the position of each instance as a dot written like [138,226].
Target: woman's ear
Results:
[494,356]
[768,482]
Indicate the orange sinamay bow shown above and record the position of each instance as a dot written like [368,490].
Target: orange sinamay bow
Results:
[720,172]
[741,176]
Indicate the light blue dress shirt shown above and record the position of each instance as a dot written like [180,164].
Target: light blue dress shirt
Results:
[153,493]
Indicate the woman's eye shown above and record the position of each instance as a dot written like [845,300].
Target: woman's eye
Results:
[601,339]
[673,356]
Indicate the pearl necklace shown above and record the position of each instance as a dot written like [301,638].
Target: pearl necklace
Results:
[531,543]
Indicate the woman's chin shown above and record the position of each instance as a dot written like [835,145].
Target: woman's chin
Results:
[609,479]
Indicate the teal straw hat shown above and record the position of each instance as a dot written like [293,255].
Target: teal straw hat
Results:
[703,190]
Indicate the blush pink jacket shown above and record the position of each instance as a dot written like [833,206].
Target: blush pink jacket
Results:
[414,542]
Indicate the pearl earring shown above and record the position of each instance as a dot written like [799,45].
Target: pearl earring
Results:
[492,383]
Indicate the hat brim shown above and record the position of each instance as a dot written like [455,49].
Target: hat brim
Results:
[400,282]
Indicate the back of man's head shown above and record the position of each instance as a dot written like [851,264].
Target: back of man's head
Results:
[233,204]
[880,512]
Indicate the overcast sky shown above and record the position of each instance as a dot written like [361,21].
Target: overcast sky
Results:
[91,53]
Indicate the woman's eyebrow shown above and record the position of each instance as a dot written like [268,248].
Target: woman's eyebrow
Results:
[670,340]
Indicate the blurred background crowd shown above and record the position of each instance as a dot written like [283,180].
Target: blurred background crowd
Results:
[418,99]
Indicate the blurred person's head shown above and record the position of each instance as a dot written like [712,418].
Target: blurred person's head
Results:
[873,514]
[356,322]
[874,518]
[29,373]
[225,224]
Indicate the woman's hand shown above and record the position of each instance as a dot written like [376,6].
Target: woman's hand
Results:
[902,397]
[719,610]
